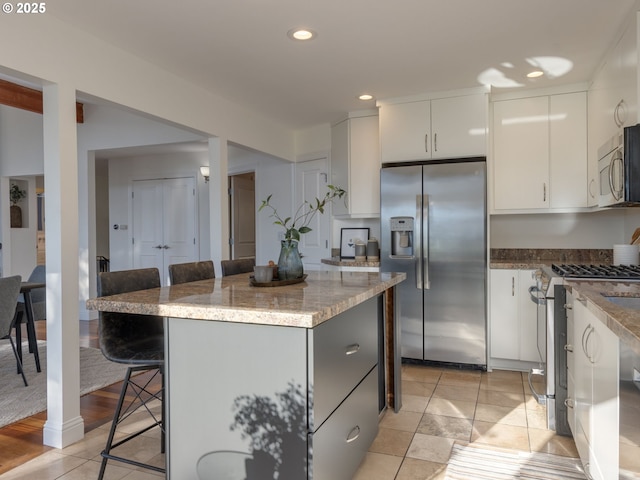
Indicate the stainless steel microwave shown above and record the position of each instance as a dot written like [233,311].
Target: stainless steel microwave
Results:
[619,167]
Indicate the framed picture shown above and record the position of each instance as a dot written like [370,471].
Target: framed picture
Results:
[348,236]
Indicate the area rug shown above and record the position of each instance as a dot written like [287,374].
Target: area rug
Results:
[470,462]
[18,402]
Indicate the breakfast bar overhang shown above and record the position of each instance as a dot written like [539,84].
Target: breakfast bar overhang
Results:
[274,382]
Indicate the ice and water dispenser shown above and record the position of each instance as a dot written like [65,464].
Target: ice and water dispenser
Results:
[401,237]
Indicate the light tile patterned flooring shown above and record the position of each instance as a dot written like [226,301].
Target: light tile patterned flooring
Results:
[440,407]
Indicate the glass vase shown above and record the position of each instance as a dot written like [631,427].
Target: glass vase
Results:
[289,262]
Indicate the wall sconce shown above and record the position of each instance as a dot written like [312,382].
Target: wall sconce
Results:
[204,171]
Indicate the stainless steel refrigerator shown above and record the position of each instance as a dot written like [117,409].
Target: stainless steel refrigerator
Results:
[433,227]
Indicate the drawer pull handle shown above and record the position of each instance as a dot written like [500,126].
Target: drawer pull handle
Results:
[353,434]
[351,349]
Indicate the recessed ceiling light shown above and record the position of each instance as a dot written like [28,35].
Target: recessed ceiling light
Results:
[301,34]
[535,74]
[365,96]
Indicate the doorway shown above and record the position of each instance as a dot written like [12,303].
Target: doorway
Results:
[164,223]
[242,215]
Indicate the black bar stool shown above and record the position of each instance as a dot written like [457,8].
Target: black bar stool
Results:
[138,341]
[234,267]
[191,272]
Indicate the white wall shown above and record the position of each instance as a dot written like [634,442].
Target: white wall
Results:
[123,171]
[50,50]
[593,230]
[21,144]
[313,140]
[273,177]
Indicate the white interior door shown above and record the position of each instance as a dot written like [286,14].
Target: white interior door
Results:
[164,223]
[148,236]
[311,183]
[179,221]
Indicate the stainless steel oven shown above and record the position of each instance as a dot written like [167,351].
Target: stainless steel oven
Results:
[548,383]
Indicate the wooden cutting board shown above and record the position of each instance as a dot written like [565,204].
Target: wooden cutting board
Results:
[635,238]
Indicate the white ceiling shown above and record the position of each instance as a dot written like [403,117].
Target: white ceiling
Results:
[239,48]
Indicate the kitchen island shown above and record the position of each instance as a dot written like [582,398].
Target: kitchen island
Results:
[277,380]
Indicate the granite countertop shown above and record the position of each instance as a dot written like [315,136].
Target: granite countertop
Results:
[624,322]
[348,262]
[320,297]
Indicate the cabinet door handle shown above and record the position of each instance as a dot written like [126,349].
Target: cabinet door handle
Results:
[435,142]
[568,306]
[544,192]
[568,348]
[351,349]
[513,286]
[620,114]
[166,247]
[426,142]
[584,333]
[585,342]
[569,403]
[353,434]
[158,246]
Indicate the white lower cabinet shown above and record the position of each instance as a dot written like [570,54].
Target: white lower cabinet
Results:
[593,376]
[513,318]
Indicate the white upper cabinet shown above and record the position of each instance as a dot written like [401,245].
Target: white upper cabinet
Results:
[521,153]
[539,159]
[433,128]
[568,150]
[355,165]
[613,99]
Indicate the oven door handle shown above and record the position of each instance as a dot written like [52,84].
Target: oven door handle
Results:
[537,296]
[540,398]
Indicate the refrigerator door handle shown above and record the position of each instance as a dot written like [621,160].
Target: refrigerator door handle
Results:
[424,245]
[418,242]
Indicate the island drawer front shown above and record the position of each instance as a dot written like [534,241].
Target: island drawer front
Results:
[338,447]
[342,351]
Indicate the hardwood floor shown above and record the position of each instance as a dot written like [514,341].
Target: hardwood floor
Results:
[22,441]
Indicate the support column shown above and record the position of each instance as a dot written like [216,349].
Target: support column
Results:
[219,200]
[64,424]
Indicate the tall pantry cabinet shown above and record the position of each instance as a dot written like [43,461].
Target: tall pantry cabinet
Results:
[355,165]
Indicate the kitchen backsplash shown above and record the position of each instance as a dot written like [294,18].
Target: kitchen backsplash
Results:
[544,255]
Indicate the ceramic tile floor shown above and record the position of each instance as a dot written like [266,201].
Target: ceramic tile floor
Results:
[440,406]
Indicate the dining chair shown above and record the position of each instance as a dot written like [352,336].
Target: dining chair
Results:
[38,295]
[137,341]
[9,291]
[191,272]
[240,265]
[38,309]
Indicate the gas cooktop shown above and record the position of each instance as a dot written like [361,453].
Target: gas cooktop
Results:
[610,272]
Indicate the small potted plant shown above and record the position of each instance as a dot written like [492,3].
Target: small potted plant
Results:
[16,194]
[289,262]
